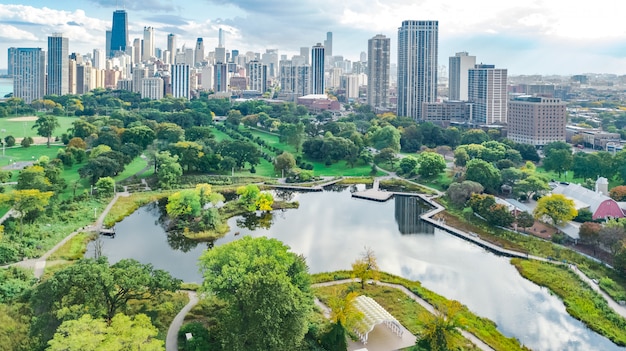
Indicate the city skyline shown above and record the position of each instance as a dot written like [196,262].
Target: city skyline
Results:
[531,38]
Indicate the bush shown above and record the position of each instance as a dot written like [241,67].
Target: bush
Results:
[27,142]
[9,140]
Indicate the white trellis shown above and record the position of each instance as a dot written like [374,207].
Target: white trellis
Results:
[374,314]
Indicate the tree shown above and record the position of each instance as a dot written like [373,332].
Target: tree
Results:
[556,207]
[499,215]
[184,204]
[265,201]
[241,152]
[284,162]
[292,134]
[408,165]
[46,125]
[474,136]
[248,196]
[366,267]
[105,186]
[483,173]
[440,329]
[430,164]
[170,132]
[83,129]
[386,156]
[9,140]
[386,137]
[611,237]
[168,170]
[459,193]
[525,220]
[619,259]
[533,184]
[344,315]
[27,142]
[124,333]
[189,154]
[481,203]
[589,233]
[25,202]
[618,193]
[140,135]
[266,291]
[95,288]
[78,143]
[33,177]
[558,160]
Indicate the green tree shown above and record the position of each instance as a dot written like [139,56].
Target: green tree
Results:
[284,162]
[9,140]
[140,135]
[556,207]
[83,129]
[344,315]
[33,177]
[184,204]
[46,125]
[267,293]
[499,215]
[474,136]
[558,160]
[124,333]
[105,186]
[170,132]
[386,137]
[408,165]
[249,196]
[533,184]
[27,142]
[386,155]
[292,134]
[430,164]
[525,220]
[25,202]
[366,267]
[168,170]
[440,329]
[189,154]
[459,193]
[483,173]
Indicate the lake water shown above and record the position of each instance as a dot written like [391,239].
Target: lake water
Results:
[6,86]
[331,229]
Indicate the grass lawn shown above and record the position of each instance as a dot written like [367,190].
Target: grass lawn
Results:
[132,168]
[341,168]
[271,140]
[219,135]
[20,129]
[15,154]
[569,177]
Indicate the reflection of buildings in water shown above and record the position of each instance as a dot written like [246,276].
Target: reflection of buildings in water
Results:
[408,211]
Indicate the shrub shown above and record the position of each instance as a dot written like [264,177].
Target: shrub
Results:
[27,142]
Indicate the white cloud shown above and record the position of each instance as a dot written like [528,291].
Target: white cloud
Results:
[14,34]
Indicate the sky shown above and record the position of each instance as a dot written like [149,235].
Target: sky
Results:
[526,37]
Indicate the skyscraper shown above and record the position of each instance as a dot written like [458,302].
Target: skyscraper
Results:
[317,69]
[328,44]
[180,81]
[417,66]
[459,66]
[199,54]
[119,33]
[304,52]
[379,51]
[28,71]
[58,65]
[257,76]
[270,59]
[487,90]
[148,44]
[221,39]
[536,120]
[220,77]
[171,48]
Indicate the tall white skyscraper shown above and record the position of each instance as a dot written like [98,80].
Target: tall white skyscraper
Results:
[379,52]
[270,59]
[487,90]
[152,88]
[148,44]
[99,61]
[199,54]
[257,76]
[181,81]
[58,65]
[459,67]
[221,40]
[304,52]
[220,54]
[29,73]
[171,48]
[317,69]
[417,66]
[136,50]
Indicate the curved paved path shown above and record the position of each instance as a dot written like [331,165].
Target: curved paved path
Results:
[469,336]
[171,342]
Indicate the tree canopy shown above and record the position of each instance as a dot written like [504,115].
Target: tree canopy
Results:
[557,207]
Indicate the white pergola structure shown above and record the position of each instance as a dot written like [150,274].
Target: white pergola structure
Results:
[374,314]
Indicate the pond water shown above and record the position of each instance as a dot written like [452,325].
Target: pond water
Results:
[331,229]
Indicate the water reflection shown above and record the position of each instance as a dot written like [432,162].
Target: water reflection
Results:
[254,220]
[330,229]
[408,210]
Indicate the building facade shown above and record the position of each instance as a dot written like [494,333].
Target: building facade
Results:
[147,51]
[458,74]
[257,76]
[487,90]
[417,66]
[181,85]
[317,69]
[119,33]
[536,120]
[171,48]
[199,53]
[152,88]
[58,65]
[379,53]
[220,77]
[29,73]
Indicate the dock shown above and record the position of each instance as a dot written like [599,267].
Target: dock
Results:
[108,232]
[374,195]
[317,187]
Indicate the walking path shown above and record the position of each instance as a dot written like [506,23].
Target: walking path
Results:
[39,264]
[469,336]
[171,341]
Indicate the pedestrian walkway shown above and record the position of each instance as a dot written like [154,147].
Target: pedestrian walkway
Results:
[390,343]
[171,341]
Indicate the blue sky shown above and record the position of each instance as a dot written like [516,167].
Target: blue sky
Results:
[530,37]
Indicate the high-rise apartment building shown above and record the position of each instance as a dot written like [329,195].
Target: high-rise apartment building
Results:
[379,53]
[220,54]
[58,65]
[136,51]
[220,77]
[417,66]
[199,53]
[119,33]
[536,120]
[148,44]
[171,48]
[99,61]
[304,52]
[317,69]
[181,87]
[270,59]
[487,90]
[257,76]
[459,66]
[139,73]
[29,73]
[152,88]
